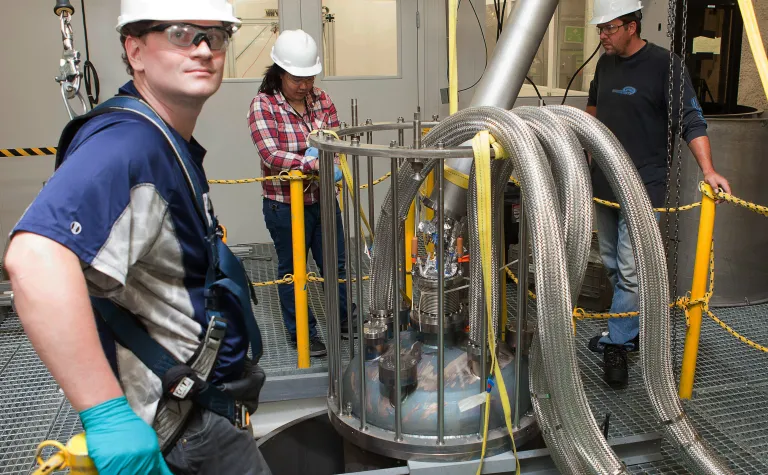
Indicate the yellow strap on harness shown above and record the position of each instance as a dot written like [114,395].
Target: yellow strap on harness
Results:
[481,146]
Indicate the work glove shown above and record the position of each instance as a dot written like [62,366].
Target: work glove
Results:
[337,175]
[312,152]
[120,442]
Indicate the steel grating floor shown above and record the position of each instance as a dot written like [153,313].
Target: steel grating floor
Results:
[728,406]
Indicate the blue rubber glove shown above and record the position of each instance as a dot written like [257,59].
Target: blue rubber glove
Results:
[121,442]
[337,175]
[312,152]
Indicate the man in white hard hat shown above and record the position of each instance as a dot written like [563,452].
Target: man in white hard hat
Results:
[119,273]
[630,94]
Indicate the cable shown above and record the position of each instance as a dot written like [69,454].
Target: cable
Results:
[484,44]
[90,76]
[577,73]
[536,89]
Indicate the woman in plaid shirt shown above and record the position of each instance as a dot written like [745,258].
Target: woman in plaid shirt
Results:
[287,108]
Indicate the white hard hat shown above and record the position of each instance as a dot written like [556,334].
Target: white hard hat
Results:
[174,10]
[296,52]
[608,10]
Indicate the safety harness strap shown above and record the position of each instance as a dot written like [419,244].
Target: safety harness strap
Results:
[182,384]
[171,414]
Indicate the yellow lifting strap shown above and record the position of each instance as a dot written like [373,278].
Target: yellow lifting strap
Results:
[348,179]
[481,146]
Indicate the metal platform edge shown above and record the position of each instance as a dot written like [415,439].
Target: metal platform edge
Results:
[633,450]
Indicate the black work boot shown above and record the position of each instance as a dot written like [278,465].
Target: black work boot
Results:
[615,371]
[316,346]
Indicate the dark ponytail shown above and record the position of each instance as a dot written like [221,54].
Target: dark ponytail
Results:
[273,80]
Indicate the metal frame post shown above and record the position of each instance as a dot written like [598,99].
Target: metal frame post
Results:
[522,305]
[440,307]
[331,274]
[396,305]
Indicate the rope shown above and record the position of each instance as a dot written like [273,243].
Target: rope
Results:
[721,195]
[240,181]
[311,277]
[611,204]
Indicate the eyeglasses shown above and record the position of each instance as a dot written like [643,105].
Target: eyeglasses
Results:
[301,80]
[185,35]
[610,29]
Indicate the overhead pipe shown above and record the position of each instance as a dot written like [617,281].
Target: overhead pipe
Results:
[503,77]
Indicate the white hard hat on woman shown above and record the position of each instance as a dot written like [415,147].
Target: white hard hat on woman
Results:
[296,52]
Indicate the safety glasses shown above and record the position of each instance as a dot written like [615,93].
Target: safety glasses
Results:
[610,30]
[185,35]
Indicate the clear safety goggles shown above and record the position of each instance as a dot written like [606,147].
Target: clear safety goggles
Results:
[186,35]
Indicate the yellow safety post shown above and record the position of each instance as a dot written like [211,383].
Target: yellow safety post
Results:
[410,223]
[755,42]
[299,269]
[698,290]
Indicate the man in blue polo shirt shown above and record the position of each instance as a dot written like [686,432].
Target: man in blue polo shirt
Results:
[630,95]
[118,221]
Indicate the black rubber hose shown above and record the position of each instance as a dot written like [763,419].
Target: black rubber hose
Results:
[565,96]
[90,76]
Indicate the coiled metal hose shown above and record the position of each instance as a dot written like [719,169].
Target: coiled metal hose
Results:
[571,176]
[653,284]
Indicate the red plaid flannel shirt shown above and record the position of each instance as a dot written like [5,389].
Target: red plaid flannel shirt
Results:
[280,135]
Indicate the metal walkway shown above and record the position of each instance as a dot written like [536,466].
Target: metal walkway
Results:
[729,405]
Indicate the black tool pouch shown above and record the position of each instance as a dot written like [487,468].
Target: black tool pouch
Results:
[247,389]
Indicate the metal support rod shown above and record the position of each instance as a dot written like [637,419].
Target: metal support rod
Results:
[347,261]
[417,130]
[440,309]
[483,357]
[522,304]
[369,140]
[355,140]
[359,287]
[299,270]
[698,289]
[331,273]
[502,274]
[354,113]
[400,132]
[396,306]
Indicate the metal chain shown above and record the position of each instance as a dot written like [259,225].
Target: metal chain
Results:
[679,166]
[671,143]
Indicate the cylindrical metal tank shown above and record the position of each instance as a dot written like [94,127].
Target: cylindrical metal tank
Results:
[739,146]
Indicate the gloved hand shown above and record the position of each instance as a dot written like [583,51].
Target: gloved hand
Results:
[312,152]
[121,442]
[337,175]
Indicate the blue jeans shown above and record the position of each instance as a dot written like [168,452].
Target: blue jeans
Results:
[210,445]
[277,217]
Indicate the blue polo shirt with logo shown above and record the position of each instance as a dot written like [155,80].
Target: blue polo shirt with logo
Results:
[632,96]
[121,203]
